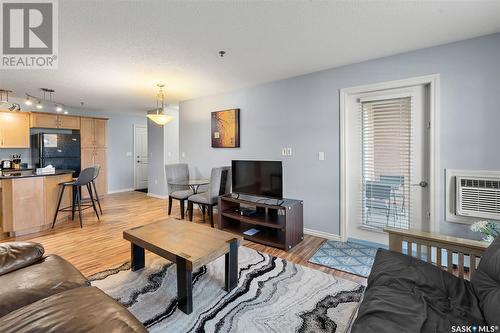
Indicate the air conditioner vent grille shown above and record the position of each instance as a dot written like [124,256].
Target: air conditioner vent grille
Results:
[480,183]
[478,197]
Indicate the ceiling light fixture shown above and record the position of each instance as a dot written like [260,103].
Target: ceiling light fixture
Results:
[4,101]
[159,116]
[4,92]
[45,101]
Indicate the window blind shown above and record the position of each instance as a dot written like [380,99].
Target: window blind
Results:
[386,162]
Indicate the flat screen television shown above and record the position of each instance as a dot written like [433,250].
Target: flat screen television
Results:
[259,178]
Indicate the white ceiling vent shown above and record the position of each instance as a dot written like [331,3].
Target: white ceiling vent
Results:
[478,197]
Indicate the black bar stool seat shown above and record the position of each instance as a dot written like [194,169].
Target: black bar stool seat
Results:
[85,178]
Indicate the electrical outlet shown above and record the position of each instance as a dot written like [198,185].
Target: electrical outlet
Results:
[169,154]
[183,154]
[289,151]
[156,181]
[321,156]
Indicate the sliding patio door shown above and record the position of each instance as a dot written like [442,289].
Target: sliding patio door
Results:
[392,150]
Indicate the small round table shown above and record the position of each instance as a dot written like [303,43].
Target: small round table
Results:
[193,183]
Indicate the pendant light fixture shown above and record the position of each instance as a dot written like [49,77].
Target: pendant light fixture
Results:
[45,101]
[159,116]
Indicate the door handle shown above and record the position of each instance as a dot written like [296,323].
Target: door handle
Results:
[423,183]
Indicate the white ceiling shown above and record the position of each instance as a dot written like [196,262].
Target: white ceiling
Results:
[112,53]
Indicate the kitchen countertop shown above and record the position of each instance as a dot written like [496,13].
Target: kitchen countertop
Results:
[14,174]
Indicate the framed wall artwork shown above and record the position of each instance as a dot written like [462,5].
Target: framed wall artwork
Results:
[226,128]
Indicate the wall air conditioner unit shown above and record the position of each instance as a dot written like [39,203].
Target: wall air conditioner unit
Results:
[478,197]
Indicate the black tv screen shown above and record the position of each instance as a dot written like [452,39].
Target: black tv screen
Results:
[260,178]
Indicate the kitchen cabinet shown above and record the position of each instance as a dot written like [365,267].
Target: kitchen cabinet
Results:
[51,120]
[69,122]
[93,136]
[93,133]
[96,156]
[14,130]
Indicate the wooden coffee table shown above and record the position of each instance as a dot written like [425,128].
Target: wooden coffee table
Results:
[190,246]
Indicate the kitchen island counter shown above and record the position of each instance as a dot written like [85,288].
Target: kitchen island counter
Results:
[14,174]
[28,201]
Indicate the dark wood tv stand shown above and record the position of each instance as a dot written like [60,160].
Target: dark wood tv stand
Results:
[279,226]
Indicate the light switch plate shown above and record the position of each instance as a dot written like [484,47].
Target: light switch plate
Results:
[183,154]
[129,154]
[289,151]
[283,151]
[321,156]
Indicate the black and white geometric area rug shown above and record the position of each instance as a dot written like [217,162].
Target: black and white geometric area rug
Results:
[273,295]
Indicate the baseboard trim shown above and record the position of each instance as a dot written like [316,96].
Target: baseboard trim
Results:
[322,234]
[157,196]
[121,190]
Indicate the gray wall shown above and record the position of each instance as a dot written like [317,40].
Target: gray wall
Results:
[120,141]
[163,148]
[303,113]
[156,160]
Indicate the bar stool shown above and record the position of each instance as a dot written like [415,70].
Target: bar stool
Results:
[84,179]
[97,169]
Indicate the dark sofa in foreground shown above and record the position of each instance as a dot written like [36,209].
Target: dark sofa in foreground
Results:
[406,294]
[47,294]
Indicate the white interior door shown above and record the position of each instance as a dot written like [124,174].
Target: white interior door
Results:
[388,162]
[141,157]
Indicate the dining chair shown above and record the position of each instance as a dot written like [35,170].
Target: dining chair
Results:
[220,184]
[378,196]
[177,172]
[396,183]
[84,179]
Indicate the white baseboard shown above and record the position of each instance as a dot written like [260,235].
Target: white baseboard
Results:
[322,234]
[121,190]
[157,196]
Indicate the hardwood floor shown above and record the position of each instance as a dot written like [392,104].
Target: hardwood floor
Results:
[100,244]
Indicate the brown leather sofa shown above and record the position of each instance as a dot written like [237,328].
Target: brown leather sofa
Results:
[47,294]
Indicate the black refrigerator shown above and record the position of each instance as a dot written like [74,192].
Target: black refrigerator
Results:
[59,150]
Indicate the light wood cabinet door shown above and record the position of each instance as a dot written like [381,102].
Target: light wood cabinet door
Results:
[14,130]
[100,139]
[87,157]
[69,122]
[44,120]
[87,132]
[86,160]
[100,158]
